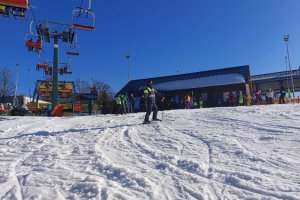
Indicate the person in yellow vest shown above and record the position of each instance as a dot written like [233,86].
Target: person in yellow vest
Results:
[149,94]
[241,99]
[118,104]
[201,102]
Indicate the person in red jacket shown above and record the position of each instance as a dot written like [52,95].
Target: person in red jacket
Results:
[231,99]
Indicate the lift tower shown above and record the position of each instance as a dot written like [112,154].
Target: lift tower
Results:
[56,31]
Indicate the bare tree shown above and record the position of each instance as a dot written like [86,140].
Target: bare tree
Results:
[82,86]
[102,87]
[105,95]
[6,83]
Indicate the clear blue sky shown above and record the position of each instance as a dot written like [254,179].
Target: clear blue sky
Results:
[163,37]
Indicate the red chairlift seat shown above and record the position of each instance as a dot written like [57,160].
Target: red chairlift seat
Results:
[42,66]
[15,3]
[16,7]
[34,45]
[84,18]
[33,41]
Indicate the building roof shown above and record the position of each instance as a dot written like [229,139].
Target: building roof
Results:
[225,76]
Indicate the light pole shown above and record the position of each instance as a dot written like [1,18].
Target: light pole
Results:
[286,39]
[28,70]
[15,101]
[127,55]
[287,78]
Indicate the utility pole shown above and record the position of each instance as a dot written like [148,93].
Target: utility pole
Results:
[287,77]
[127,55]
[15,101]
[28,70]
[286,39]
[55,73]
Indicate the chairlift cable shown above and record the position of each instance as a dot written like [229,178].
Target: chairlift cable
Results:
[80,10]
[34,19]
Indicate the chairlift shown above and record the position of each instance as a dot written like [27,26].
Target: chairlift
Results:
[44,66]
[74,49]
[84,18]
[4,10]
[16,7]
[65,89]
[65,70]
[18,12]
[44,88]
[33,41]
[48,71]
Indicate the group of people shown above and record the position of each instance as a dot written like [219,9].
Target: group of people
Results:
[257,97]
[190,102]
[147,103]
[124,103]
[270,96]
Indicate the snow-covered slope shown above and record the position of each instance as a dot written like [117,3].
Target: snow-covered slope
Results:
[218,153]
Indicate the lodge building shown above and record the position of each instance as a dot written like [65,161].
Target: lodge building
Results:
[212,86]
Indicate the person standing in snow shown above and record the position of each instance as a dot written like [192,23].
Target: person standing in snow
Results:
[118,104]
[149,94]
[187,102]
[282,94]
[90,107]
[142,104]
[231,99]
[258,96]
[241,99]
[131,103]
[270,96]
[248,100]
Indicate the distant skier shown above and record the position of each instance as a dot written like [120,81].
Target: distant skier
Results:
[90,107]
[149,94]
[282,94]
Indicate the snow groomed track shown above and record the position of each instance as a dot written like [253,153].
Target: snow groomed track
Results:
[218,153]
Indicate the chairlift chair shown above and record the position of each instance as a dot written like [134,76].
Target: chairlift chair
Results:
[18,12]
[73,50]
[65,69]
[44,66]
[4,11]
[16,7]
[84,18]
[33,41]
[65,89]
[48,71]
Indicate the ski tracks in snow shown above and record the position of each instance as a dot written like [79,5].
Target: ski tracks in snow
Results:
[192,154]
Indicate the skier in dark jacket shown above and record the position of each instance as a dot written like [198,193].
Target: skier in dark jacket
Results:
[132,103]
[90,107]
[149,94]
[282,95]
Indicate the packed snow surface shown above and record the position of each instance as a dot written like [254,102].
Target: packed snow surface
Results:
[216,153]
